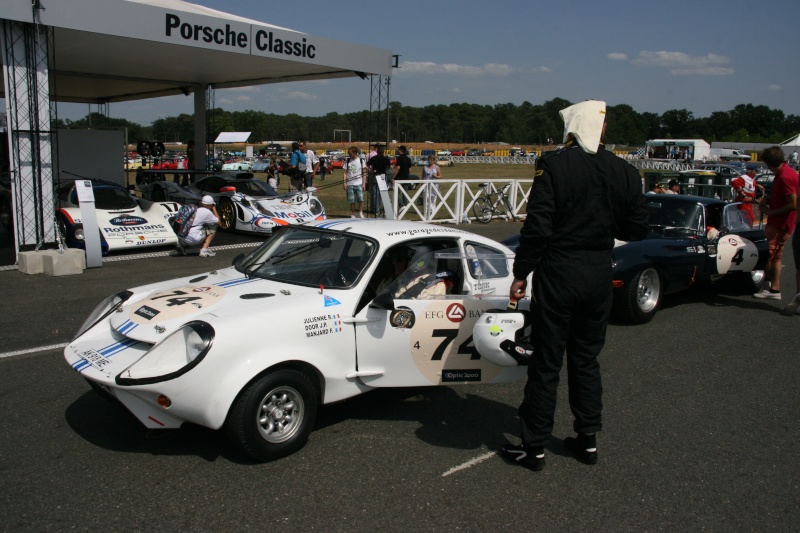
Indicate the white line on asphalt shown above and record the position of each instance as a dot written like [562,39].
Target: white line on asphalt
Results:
[32,350]
[471,462]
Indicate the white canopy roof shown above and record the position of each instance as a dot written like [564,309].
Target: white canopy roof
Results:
[793,141]
[118,50]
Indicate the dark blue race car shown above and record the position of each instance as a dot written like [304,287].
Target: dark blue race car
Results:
[691,239]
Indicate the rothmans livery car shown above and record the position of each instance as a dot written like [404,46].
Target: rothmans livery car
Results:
[125,222]
[318,313]
[244,204]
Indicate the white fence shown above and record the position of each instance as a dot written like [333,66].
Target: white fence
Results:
[452,200]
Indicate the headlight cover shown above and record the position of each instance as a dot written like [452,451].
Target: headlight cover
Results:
[172,357]
[105,308]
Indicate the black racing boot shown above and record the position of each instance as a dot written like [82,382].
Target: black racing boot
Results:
[530,458]
[584,447]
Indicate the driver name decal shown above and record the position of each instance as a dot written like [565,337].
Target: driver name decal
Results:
[322,325]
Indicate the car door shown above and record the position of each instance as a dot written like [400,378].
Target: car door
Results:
[736,248]
[422,340]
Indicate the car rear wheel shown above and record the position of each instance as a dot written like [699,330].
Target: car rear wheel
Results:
[642,297]
[227,215]
[274,415]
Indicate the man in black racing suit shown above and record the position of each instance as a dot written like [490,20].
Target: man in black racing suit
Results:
[583,197]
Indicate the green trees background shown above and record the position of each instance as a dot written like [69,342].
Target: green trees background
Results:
[471,124]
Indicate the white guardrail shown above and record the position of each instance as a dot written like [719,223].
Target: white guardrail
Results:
[445,200]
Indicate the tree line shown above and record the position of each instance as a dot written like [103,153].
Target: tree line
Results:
[468,124]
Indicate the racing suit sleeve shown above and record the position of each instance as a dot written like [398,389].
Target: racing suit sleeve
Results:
[537,230]
[636,222]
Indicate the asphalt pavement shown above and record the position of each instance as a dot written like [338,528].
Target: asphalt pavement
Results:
[700,434]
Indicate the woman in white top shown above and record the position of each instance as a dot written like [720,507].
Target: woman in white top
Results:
[354,181]
[431,171]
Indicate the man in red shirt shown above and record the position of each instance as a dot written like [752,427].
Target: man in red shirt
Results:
[781,216]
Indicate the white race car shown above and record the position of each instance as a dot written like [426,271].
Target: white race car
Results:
[318,313]
[244,204]
[125,222]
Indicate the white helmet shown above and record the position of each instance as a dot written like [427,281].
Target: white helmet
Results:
[498,337]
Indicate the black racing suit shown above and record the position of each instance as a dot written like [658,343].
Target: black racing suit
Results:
[578,204]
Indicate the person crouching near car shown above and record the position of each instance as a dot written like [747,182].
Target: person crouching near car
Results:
[203,228]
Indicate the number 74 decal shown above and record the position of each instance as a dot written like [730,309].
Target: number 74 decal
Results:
[448,336]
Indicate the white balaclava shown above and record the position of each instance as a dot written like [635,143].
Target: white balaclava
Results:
[585,122]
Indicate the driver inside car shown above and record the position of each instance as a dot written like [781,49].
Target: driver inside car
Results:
[415,279]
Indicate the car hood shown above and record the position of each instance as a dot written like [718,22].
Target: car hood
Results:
[157,310]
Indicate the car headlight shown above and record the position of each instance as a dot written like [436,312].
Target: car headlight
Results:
[77,231]
[174,356]
[105,308]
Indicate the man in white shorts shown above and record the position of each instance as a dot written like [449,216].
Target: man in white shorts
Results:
[203,229]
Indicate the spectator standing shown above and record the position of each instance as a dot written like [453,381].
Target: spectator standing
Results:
[297,168]
[402,167]
[780,210]
[322,168]
[203,229]
[354,181]
[312,164]
[583,197]
[431,172]
[378,164]
[795,159]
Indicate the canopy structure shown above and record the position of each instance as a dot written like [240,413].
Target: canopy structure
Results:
[104,51]
[793,141]
[120,50]
[232,137]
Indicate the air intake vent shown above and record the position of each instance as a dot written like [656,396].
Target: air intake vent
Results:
[254,295]
[195,280]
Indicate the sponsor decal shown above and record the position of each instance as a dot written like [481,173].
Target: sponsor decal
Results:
[733,241]
[201,289]
[176,303]
[152,241]
[316,326]
[148,313]
[330,301]
[128,228]
[126,220]
[456,312]
[439,344]
[293,214]
[449,376]
[402,317]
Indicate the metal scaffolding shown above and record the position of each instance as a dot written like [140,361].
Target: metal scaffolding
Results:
[27,50]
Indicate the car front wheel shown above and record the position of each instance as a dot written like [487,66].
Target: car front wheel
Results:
[642,296]
[274,415]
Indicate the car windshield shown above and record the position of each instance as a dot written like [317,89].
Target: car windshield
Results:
[249,187]
[675,216]
[111,198]
[310,257]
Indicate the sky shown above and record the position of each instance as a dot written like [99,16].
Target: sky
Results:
[701,56]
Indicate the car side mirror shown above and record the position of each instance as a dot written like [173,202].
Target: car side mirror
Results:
[237,260]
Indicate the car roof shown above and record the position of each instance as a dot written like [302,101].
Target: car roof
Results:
[390,232]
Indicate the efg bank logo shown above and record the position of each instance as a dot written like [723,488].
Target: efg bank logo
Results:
[265,41]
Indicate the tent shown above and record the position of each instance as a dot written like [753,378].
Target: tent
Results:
[699,147]
[793,141]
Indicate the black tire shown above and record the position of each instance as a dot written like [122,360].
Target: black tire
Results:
[482,209]
[274,415]
[158,194]
[753,282]
[227,215]
[642,297]
[6,217]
